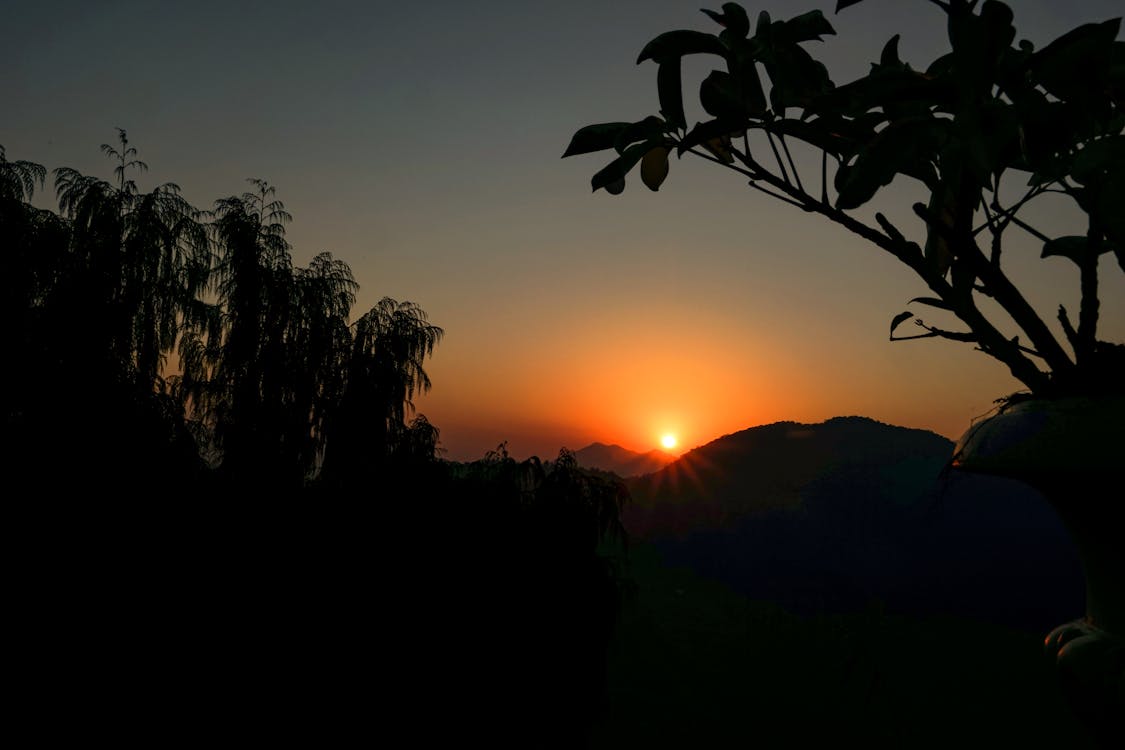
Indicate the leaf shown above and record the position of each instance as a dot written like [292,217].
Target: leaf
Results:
[898,319]
[672,45]
[616,170]
[823,133]
[841,4]
[943,206]
[654,167]
[704,132]
[1073,247]
[720,147]
[733,19]
[797,78]
[889,55]
[1099,157]
[648,129]
[806,27]
[1077,64]
[594,138]
[908,147]
[884,88]
[719,97]
[670,90]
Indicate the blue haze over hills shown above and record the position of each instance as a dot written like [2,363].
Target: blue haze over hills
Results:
[852,513]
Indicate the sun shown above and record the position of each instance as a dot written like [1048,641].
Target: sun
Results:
[668,441]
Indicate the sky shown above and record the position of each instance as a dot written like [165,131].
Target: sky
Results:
[421,144]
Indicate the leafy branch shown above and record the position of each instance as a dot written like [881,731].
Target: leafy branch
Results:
[984,110]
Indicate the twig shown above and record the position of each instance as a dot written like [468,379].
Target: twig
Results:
[789,157]
[776,155]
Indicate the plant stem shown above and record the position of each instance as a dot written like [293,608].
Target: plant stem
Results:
[991,340]
[1004,292]
[776,155]
[1088,311]
[789,157]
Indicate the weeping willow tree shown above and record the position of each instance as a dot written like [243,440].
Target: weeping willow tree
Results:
[275,374]
[140,261]
[384,370]
[98,294]
[261,364]
[273,378]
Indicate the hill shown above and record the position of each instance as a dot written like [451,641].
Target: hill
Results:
[621,461]
[851,512]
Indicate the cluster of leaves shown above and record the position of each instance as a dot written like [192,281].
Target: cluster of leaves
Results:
[984,110]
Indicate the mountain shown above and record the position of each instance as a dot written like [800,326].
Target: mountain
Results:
[773,467]
[834,516]
[621,461]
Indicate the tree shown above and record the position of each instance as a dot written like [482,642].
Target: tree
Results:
[385,368]
[141,259]
[982,119]
[977,118]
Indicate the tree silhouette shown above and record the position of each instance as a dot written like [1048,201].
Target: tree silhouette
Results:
[142,259]
[384,370]
[98,295]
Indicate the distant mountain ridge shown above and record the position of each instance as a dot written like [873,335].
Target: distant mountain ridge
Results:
[769,467]
[621,461]
[832,516]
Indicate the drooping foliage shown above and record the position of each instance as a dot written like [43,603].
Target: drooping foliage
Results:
[162,353]
[264,355]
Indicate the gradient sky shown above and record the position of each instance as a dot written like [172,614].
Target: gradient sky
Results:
[420,143]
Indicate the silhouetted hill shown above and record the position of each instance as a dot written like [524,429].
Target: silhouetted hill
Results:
[831,517]
[621,461]
[769,467]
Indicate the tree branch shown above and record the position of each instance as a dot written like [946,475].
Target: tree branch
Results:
[1004,292]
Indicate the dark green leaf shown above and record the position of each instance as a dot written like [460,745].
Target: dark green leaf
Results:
[719,97]
[803,28]
[885,88]
[733,19]
[898,319]
[672,45]
[649,129]
[889,56]
[1098,158]
[1077,64]
[704,132]
[594,138]
[619,167]
[797,78]
[841,4]
[820,132]
[654,167]
[988,139]
[742,64]
[763,27]
[670,90]
[904,147]
[1074,247]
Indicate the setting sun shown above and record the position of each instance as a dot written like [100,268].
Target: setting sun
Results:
[668,441]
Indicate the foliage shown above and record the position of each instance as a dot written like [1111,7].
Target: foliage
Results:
[275,392]
[984,113]
[268,361]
